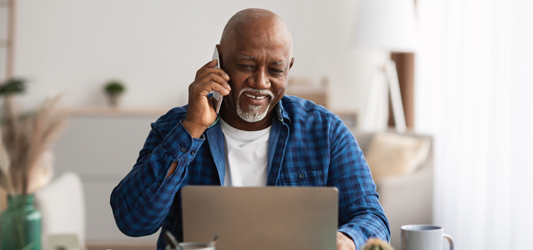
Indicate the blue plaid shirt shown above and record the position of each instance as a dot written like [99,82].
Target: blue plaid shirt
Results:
[308,146]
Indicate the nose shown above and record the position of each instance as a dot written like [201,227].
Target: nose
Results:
[260,79]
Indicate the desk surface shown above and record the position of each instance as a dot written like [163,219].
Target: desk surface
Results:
[115,246]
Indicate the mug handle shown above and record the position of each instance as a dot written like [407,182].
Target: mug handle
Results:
[450,240]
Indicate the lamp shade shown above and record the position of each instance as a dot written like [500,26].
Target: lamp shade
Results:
[387,24]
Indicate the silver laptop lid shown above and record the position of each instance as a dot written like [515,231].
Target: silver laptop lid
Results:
[259,218]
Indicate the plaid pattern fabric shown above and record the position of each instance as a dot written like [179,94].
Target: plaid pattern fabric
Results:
[308,146]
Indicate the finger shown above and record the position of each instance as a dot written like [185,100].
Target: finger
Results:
[210,64]
[220,89]
[215,86]
[207,84]
[218,79]
[213,76]
[205,87]
[217,71]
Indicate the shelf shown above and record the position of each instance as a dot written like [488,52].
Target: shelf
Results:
[107,111]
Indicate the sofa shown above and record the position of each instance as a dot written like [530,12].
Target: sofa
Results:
[406,198]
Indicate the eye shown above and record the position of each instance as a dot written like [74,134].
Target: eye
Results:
[276,71]
[245,66]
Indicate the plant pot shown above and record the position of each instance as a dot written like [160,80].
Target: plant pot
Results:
[20,224]
[113,100]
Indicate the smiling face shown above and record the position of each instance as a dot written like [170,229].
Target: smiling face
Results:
[254,109]
[256,54]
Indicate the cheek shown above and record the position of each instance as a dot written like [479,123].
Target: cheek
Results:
[236,84]
[237,80]
[278,87]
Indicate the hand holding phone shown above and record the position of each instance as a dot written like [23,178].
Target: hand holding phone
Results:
[205,97]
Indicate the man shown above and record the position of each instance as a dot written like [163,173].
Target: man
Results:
[261,137]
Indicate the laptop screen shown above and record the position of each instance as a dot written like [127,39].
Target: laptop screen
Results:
[261,217]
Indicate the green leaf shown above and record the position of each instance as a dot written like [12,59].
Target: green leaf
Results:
[114,87]
[13,86]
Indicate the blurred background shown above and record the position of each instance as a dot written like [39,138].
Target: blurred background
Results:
[466,80]
[74,47]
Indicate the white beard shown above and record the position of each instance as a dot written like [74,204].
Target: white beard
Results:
[254,113]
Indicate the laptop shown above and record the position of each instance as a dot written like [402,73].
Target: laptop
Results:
[260,218]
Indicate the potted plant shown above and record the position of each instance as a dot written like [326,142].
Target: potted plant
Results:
[376,244]
[113,90]
[25,165]
[13,86]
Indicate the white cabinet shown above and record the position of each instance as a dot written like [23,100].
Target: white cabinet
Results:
[102,146]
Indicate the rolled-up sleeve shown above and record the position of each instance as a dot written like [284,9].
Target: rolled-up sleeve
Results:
[142,200]
[360,214]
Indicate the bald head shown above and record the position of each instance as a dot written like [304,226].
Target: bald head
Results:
[261,23]
[256,53]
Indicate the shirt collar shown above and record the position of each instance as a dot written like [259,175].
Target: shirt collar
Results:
[280,111]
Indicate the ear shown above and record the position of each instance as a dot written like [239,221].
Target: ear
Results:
[219,54]
[292,62]
[219,49]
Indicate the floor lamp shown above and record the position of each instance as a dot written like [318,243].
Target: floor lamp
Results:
[390,26]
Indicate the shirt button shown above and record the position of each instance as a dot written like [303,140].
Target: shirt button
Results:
[301,175]
[193,152]
[183,149]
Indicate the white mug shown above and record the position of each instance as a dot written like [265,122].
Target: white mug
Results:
[424,237]
[193,245]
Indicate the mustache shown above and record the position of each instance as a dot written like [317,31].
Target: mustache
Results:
[259,91]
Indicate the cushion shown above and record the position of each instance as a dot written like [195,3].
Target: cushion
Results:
[390,154]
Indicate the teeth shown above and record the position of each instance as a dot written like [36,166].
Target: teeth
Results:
[255,97]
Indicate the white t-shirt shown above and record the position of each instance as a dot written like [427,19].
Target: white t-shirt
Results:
[246,156]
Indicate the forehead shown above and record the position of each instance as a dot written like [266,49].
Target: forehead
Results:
[272,60]
[260,38]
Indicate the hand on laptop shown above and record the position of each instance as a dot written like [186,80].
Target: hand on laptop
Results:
[344,242]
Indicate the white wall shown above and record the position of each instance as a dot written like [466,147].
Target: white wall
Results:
[155,47]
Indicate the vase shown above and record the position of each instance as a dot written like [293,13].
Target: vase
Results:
[20,224]
[113,99]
